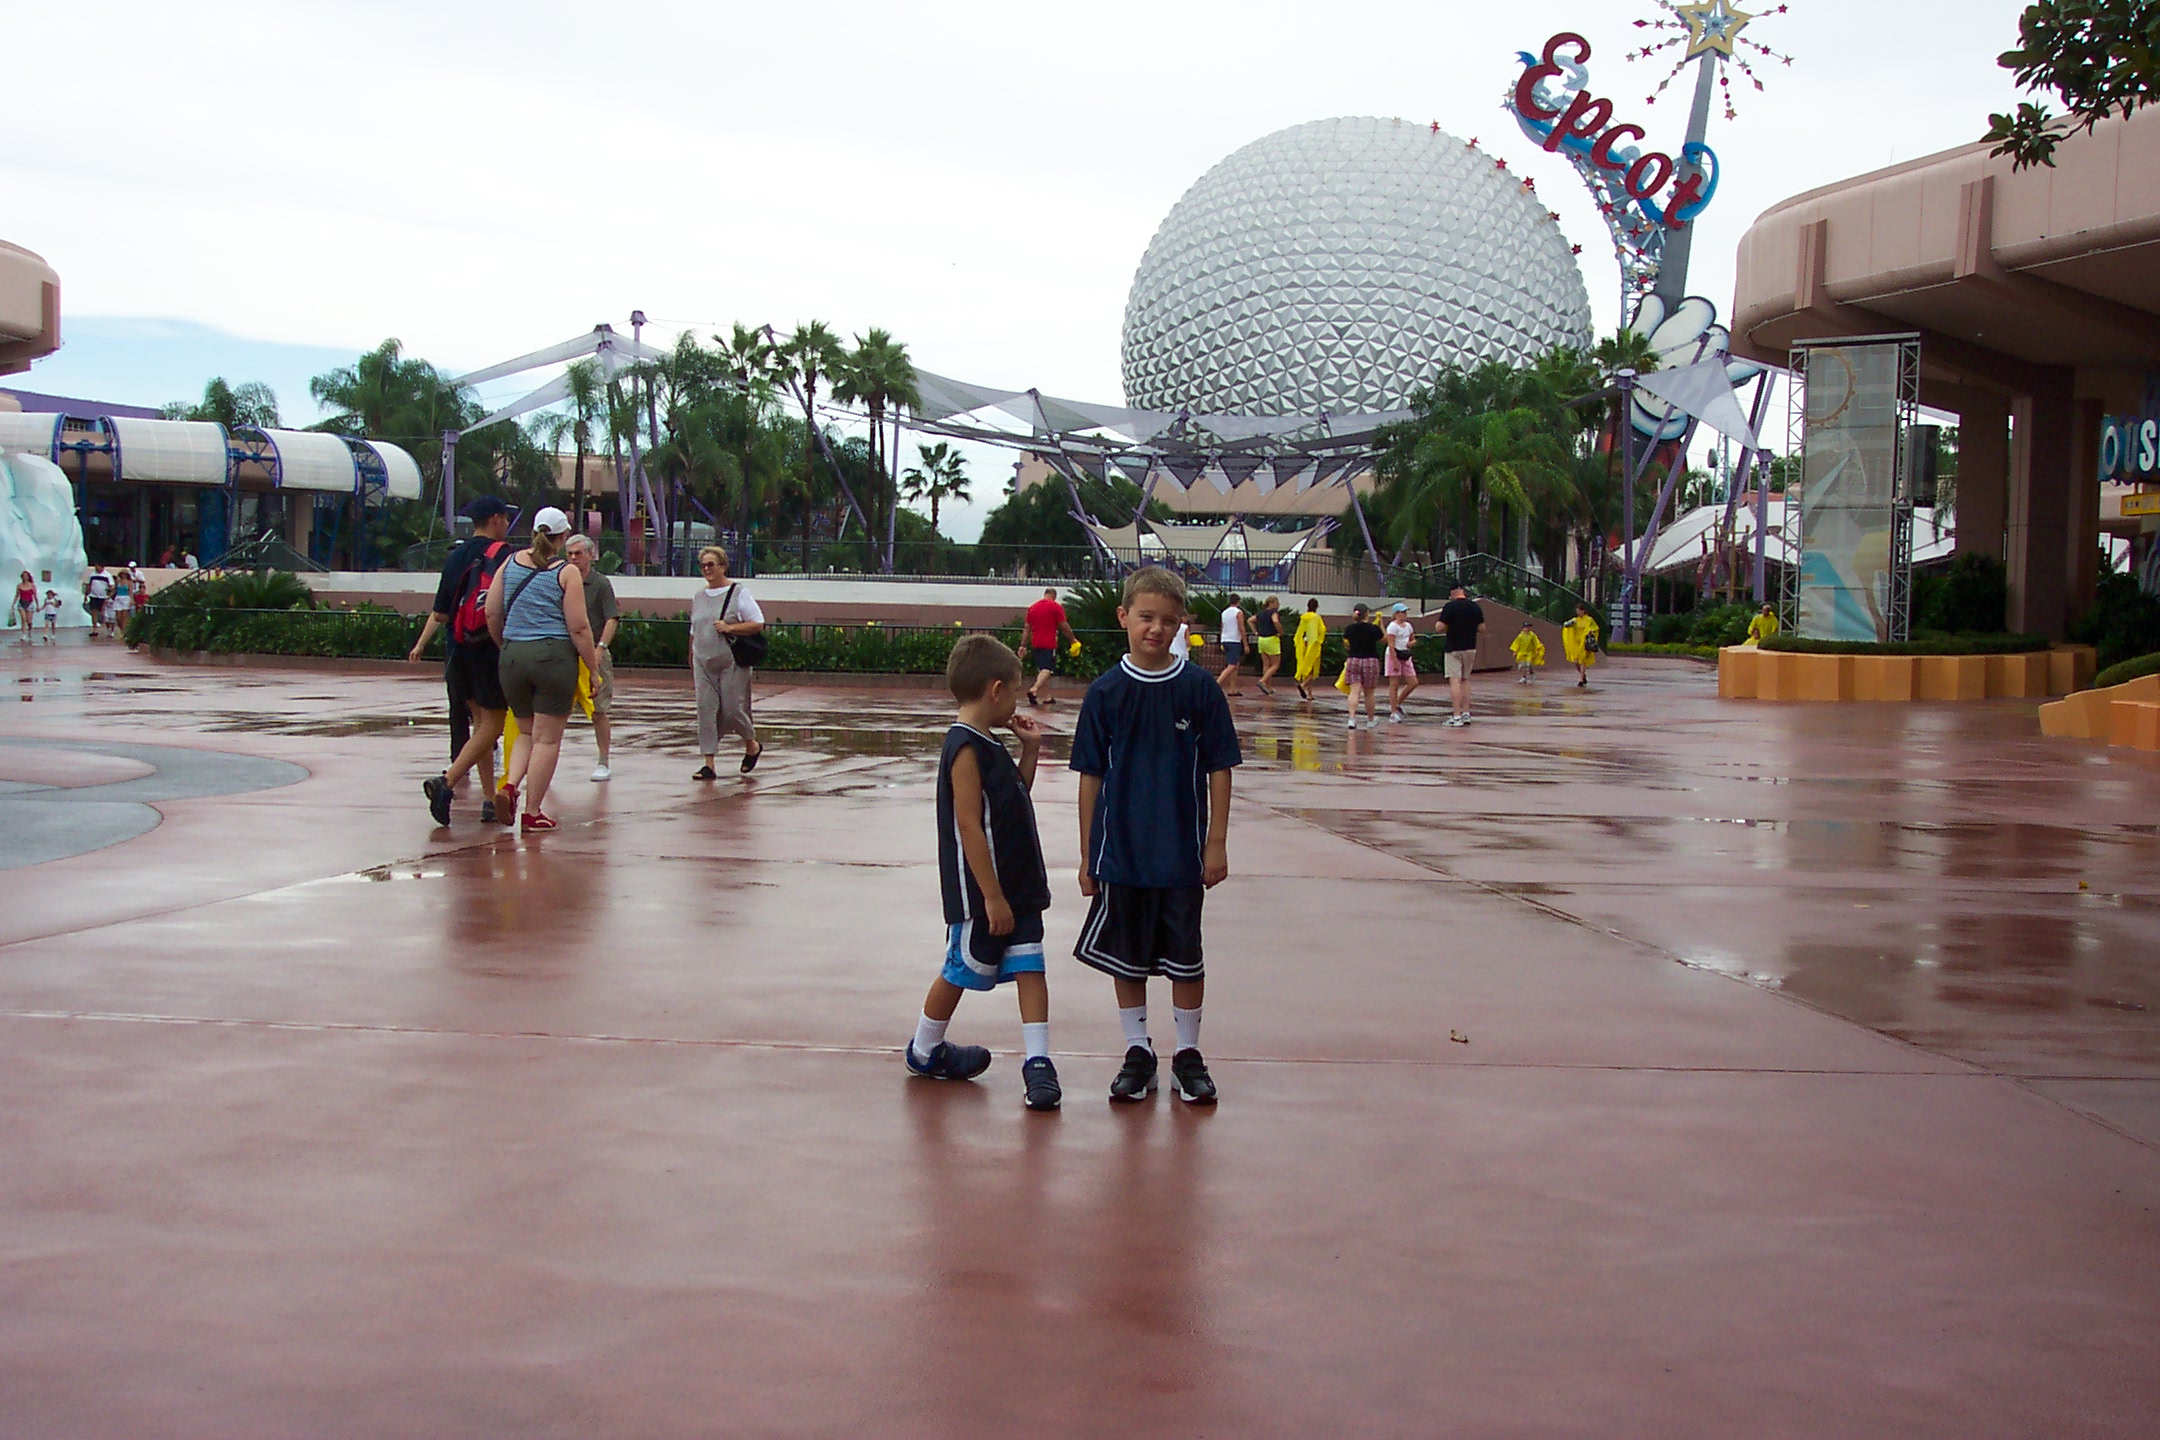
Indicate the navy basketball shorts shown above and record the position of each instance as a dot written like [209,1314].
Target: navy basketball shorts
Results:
[1134,932]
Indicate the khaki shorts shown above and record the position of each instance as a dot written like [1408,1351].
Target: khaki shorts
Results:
[1459,663]
[601,687]
[539,677]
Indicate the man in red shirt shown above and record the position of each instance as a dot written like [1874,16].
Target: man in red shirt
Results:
[1045,622]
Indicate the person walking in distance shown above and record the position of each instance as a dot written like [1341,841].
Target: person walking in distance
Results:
[26,605]
[51,608]
[1579,642]
[1529,653]
[1154,747]
[1402,678]
[536,614]
[1267,639]
[1460,620]
[1046,622]
[726,642]
[1236,629]
[1364,640]
[602,614]
[97,594]
[470,673]
[1311,639]
[990,867]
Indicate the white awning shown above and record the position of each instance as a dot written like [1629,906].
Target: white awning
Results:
[311,460]
[403,471]
[169,452]
[24,434]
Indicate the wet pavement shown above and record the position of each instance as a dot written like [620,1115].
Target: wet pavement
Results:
[1809,1082]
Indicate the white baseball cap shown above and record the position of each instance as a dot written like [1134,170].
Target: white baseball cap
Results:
[552,520]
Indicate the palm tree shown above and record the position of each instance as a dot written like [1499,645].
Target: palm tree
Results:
[587,397]
[251,403]
[879,375]
[748,355]
[812,353]
[941,476]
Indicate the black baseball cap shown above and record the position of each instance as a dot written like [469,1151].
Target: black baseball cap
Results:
[486,508]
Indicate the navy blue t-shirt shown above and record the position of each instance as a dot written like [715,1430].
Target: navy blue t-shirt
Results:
[1008,822]
[1153,738]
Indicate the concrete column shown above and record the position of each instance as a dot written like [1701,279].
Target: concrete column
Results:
[299,519]
[2081,565]
[2036,537]
[1983,475]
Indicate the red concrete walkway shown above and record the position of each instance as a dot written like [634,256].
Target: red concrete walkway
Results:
[1811,1085]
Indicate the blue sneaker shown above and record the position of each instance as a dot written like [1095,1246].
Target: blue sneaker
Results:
[948,1061]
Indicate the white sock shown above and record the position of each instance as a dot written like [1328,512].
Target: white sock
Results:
[1188,1027]
[1035,1039]
[929,1034]
[1135,1023]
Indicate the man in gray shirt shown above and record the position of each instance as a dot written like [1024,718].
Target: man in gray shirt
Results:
[602,611]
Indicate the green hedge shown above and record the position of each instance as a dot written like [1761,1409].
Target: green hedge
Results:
[1692,652]
[1919,645]
[2127,671]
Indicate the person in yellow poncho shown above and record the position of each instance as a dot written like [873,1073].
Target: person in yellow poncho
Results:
[1529,652]
[1579,641]
[1311,633]
[1763,626]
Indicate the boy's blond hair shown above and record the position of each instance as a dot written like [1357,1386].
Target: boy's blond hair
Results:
[978,661]
[1153,580]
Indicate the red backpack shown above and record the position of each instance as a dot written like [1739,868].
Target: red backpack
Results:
[469,621]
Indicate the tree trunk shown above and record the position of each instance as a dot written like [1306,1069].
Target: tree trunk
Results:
[577,493]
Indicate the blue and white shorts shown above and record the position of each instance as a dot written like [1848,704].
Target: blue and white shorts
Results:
[977,960]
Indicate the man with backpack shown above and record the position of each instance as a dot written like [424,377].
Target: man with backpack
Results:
[469,672]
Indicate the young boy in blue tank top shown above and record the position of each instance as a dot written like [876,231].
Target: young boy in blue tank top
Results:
[990,867]
[1154,746]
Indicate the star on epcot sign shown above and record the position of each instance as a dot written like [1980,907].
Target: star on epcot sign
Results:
[1712,27]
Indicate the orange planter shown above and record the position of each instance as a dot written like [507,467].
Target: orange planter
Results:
[1953,677]
[2135,723]
[2018,677]
[1885,677]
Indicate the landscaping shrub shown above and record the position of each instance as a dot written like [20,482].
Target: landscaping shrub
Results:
[2126,671]
[1691,652]
[1969,596]
[1921,644]
[2121,624]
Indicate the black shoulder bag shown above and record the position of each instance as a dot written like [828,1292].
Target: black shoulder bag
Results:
[749,650]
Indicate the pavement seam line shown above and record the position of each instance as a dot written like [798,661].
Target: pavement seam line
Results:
[115,1017]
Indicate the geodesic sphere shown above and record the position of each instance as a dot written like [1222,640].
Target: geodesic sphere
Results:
[1337,265]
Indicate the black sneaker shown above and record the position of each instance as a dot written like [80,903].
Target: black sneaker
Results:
[947,1061]
[1194,1085]
[487,812]
[1137,1080]
[437,790]
[1040,1077]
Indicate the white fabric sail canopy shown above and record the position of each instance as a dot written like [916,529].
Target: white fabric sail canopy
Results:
[311,460]
[169,452]
[27,434]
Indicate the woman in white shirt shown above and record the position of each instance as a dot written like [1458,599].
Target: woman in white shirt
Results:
[1402,676]
[1236,630]
[721,612]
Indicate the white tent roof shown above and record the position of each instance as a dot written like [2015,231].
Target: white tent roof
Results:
[169,452]
[23,434]
[402,470]
[312,460]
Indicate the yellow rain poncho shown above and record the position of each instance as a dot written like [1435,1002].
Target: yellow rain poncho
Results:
[1311,631]
[1762,627]
[1575,637]
[1527,648]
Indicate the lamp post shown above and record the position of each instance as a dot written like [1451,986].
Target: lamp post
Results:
[1626,380]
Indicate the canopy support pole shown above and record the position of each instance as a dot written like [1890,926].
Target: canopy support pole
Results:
[1371,552]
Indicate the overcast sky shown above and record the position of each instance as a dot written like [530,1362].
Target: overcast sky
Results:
[251,189]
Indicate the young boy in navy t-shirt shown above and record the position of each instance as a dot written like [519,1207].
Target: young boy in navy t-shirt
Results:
[1154,747]
[990,867]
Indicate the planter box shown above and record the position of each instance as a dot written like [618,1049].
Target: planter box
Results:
[1885,677]
[2087,714]
[2071,668]
[1777,677]
[1738,667]
[1824,677]
[2018,677]
[2135,723]
[1953,677]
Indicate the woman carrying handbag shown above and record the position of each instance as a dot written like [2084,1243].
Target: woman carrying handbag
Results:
[727,641]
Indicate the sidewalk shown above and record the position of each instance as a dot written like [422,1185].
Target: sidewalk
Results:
[1811,1082]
